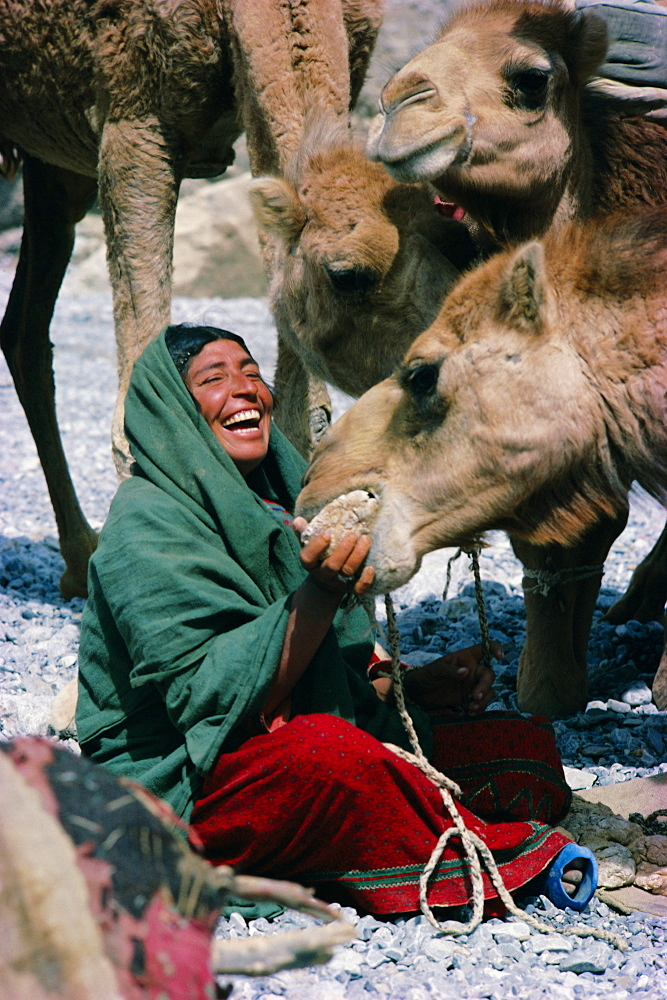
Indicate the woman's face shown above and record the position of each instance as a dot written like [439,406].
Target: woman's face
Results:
[234,400]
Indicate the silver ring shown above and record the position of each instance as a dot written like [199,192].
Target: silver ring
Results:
[345,579]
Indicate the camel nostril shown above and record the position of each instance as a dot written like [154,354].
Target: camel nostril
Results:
[404,89]
[352,281]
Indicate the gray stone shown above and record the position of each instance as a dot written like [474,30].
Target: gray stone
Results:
[578,779]
[593,957]
[637,693]
[440,949]
[517,930]
[616,866]
[540,943]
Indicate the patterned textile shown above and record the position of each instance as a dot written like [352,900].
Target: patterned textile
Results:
[322,802]
[155,915]
[279,511]
[508,767]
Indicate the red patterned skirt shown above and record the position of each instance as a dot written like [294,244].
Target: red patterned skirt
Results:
[321,802]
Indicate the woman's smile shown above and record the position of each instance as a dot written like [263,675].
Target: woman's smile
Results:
[244,422]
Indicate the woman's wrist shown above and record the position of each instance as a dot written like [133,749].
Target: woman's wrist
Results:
[318,593]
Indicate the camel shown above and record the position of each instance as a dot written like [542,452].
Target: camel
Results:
[367,261]
[530,405]
[500,114]
[127,98]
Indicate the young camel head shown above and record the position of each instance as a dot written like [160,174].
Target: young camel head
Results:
[530,405]
[490,113]
[365,262]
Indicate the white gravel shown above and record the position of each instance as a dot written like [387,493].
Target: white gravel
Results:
[619,738]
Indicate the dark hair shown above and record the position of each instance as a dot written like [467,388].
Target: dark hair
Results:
[184,341]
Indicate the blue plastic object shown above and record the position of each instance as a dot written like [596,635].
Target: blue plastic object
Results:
[552,884]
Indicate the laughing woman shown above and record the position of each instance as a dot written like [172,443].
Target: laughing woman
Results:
[218,669]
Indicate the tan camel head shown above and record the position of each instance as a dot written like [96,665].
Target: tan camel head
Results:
[527,406]
[491,108]
[365,262]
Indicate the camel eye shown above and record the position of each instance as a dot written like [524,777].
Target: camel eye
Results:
[529,88]
[421,381]
[352,281]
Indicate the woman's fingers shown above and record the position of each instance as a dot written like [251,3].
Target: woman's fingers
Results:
[456,680]
[365,581]
[346,560]
[339,568]
[312,554]
[299,525]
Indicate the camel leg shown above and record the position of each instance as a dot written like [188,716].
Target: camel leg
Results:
[644,600]
[553,674]
[138,193]
[55,200]
[303,407]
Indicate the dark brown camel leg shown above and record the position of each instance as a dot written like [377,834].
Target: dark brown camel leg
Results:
[553,673]
[644,600]
[55,200]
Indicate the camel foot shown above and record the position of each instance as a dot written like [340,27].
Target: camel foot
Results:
[640,603]
[73,585]
[74,581]
[548,688]
[645,597]
[560,704]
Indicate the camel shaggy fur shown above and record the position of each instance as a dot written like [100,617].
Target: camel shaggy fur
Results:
[531,405]
[126,98]
[366,261]
[500,116]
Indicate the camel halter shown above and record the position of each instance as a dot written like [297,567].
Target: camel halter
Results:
[475,850]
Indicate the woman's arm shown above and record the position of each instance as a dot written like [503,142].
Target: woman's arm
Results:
[315,603]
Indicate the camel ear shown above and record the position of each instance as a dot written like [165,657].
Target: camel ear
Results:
[277,208]
[523,290]
[590,45]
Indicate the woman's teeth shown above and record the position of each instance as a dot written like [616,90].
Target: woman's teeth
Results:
[243,417]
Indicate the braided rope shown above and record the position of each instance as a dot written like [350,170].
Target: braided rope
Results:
[476,852]
[549,579]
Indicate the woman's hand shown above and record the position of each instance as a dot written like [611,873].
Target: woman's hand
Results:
[457,680]
[341,571]
[315,603]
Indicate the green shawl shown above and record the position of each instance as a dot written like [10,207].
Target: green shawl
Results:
[189,595]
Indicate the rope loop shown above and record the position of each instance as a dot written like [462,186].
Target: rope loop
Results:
[476,852]
[551,579]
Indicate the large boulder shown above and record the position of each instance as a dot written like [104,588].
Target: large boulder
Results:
[216,250]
